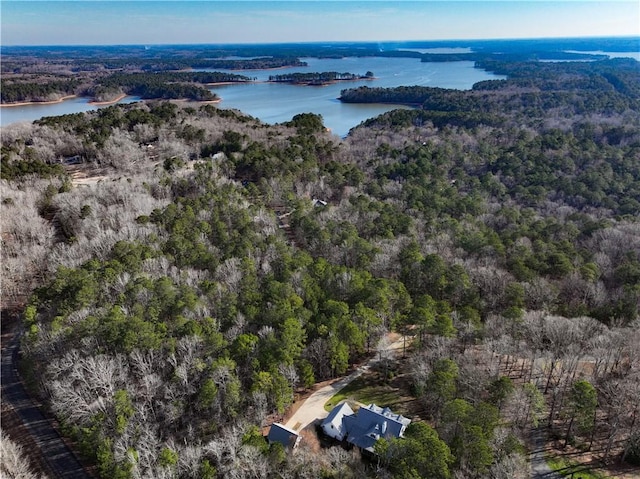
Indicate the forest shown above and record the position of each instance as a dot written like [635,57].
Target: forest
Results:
[179,287]
[41,90]
[164,85]
[571,87]
[318,78]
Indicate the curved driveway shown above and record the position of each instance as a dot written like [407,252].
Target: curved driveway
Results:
[313,406]
[61,461]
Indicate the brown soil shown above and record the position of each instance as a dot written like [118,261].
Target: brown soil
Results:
[108,102]
[298,400]
[83,175]
[517,369]
[310,439]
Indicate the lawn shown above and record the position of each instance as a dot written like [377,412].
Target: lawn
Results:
[572,469]
[371,389]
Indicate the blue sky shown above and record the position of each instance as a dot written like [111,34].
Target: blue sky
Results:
[28,22]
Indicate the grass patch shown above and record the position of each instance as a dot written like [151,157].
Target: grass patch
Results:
[367,389]
[572,469]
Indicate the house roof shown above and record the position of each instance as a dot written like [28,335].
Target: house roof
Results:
[282,434]
[364,438]
[369,424]
[337,413]
[388,414]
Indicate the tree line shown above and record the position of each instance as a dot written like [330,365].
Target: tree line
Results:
[166,85]
[531,88]
[318,78]
[14,91]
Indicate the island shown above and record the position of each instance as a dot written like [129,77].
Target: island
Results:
[319,78]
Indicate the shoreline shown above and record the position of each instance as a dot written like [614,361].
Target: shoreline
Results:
[29,103]
[263,69]
[324,83]
[109,102]
[187,100]
[410,105]
[221,83]
[99,103]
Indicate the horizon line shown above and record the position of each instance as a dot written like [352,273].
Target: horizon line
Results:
[312,42]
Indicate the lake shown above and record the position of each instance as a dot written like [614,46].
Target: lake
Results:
[15,114]
[276,103]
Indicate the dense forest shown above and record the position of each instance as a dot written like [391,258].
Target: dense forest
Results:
[25,60]
[180,285]
[318,78]
[41,89]
[531,89]
[164,85]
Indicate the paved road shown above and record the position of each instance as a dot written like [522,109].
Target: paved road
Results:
[60,459]
[539,467]
[313,407]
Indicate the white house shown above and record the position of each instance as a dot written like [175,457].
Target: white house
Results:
[365,427]
[333,425]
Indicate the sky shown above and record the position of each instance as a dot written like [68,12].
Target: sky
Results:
[151,22]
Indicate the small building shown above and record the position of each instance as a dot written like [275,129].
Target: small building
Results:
[283,435]
[364,428]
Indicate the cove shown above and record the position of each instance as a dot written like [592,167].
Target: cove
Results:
[277,103]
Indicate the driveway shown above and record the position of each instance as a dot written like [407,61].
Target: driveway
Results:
[539,467]
[313,406]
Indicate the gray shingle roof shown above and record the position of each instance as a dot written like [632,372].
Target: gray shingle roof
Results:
[282,434]
[369,424]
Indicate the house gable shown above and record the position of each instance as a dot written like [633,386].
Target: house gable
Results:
[335,425]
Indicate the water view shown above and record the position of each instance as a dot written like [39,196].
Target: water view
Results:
[634,55]
[275,103]
[15,114]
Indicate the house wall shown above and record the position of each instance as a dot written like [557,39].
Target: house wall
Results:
[334,430]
